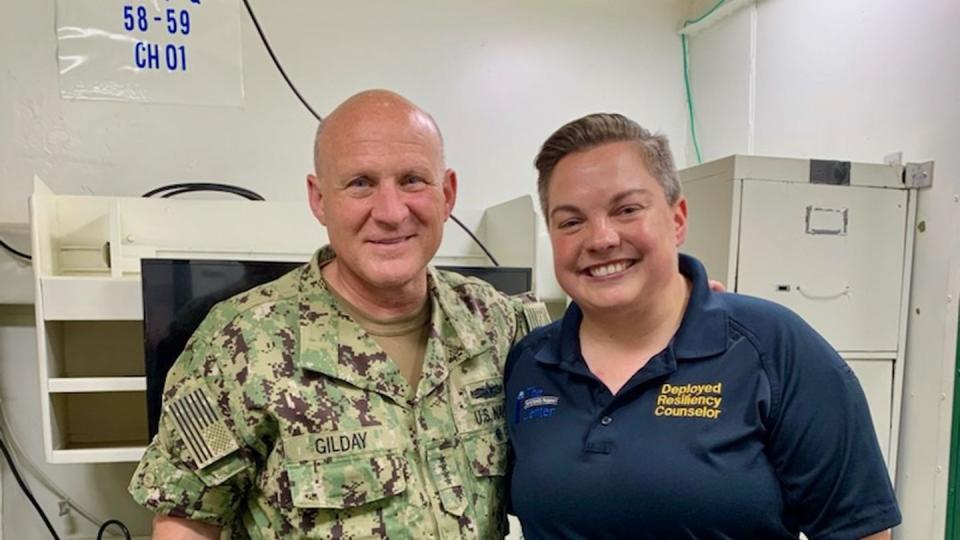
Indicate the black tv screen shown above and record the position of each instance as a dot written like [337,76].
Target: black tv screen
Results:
[178,294]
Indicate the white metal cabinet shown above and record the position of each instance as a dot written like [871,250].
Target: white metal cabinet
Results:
[876,378]
[835,249]
[843,277]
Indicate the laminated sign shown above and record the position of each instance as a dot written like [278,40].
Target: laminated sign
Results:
[150,51]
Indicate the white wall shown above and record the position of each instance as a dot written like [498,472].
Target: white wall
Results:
[499,76]
[856,80]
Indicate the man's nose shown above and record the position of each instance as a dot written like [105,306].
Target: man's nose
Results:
[602,236]
[388,205]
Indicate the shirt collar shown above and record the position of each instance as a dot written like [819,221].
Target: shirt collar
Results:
[463,328]
[332,344]
[702,332]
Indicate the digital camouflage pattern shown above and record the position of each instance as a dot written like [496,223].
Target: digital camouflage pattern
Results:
[330,441]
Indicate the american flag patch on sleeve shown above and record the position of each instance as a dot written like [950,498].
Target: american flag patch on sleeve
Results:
[201,428]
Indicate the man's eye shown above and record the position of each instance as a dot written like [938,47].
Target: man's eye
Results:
[629,210]
[414,181]
[359,183]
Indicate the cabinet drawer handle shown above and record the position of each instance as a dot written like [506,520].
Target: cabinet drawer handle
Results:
[811,296]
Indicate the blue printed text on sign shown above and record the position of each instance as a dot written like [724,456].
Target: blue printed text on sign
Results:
[178,21]
[152,55]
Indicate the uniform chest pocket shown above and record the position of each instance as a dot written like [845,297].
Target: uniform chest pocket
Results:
[347,482]
[485,455]
[469,477]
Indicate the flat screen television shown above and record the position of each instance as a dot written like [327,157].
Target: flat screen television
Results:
[178,293]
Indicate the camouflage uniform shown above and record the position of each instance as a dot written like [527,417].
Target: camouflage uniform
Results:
[284,419]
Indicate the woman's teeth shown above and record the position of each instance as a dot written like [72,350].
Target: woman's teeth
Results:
[607,269]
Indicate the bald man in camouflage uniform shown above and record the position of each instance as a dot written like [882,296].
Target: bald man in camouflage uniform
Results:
[285,417]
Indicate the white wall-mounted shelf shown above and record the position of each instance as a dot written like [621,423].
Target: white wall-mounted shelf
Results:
[88,297]
[92,298]
[77,385]
[115,453]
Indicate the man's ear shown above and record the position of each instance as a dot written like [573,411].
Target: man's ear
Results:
[680,220]
[449,190]
[315,198]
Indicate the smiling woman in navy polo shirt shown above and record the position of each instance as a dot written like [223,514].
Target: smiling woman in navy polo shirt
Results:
[659,409]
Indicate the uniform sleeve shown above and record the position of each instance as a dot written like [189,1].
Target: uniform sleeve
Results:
[198,466]
[822,442]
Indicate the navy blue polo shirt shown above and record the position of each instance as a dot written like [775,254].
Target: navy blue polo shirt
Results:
[747,426]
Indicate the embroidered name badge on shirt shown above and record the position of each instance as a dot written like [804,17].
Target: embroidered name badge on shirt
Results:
[690,400]
[531,403]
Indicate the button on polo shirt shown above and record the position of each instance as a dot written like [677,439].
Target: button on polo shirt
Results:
[748,425]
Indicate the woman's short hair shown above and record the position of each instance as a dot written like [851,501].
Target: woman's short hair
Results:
[601,128]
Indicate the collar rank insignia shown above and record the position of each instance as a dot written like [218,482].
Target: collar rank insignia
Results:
[201,427]
[536,314]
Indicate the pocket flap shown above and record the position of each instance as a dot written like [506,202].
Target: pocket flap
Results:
[446,476]
[453,500]
[221,471]
[346,483]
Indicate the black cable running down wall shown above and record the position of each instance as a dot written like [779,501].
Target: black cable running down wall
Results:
[276,62]
[26,490]
[14,251]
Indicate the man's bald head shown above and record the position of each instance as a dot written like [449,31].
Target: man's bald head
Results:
[375,108]
[383,192]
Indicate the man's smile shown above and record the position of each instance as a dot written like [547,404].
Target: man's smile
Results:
[391,241]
